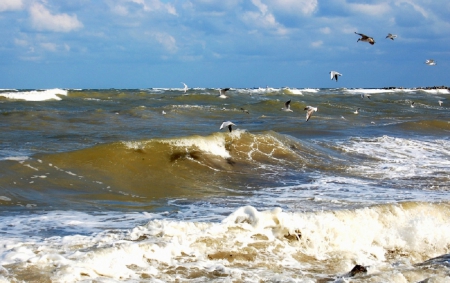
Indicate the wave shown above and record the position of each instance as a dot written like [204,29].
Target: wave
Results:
[305,246]
[194,166]
[36,95]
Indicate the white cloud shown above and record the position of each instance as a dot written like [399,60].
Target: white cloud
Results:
[317,44]
[49,46]
[370,9]
[415,6]
[123,8]
[42,19]
[10,5]
[263,19]
[20,42]
[306,7]
[325,30]
[166,40]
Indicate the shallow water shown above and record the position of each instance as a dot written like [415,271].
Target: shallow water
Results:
[101,185]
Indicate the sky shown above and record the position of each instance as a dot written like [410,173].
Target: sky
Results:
[217,43]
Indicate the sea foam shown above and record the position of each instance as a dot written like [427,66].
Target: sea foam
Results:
[36,95]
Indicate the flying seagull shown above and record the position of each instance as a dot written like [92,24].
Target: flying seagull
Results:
[365,38]
[391,36]
[222,92]
[227,124]
[309,111]
[185,87]
[440,102]
[412,104]
[430,62]
[245,110]
[287,106]
[365,95]
[356,112]
[335,75]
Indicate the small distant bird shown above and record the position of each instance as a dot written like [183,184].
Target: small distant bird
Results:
[163,112]
[222,92]
[309,111]
[365,95]
[356,111]
[185,87]
[430,62]
[287,106]
[440,102]
[335,75]
[227,124]
[412,104]
[245,110]
[365,38]
[391,36]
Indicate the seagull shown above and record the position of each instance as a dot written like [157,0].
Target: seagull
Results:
[430,62]
[287,106]
[356,112]
[335,75]
[365,38]
[412,104]
[245,110]
[185,87]
[222,92]
[309,111]
[365,95]
[440,102]
[227,124]
[163,112]
[391,36]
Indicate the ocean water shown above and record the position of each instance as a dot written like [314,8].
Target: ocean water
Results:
[141,185]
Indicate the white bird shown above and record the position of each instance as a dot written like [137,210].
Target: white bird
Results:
[365,95]
[412,104]
[163,112]
[430,62]
[227,124]
[287,106]
[222,92]
[356,111]
[391,36]
[335,75]
[365,38]
[309,111]
[440,102]
[185,87]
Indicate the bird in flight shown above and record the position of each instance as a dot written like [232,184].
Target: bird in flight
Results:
[227,124]
[430,62]
[391,36]
[309,111]
[335,75]
[287,106]
[222,92]
[365,38]
[185,87]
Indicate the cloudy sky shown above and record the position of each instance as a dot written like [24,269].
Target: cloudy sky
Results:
[217,43]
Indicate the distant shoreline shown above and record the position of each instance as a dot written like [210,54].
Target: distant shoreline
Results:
[420,87]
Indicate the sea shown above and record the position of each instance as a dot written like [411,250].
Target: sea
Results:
[142,185]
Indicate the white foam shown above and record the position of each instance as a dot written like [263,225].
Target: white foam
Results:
[214,144]
[169,249]
[369,91]
[36,95]
[399,157]
[314,90]
[435,91]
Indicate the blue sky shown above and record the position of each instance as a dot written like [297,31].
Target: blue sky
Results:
[216,43]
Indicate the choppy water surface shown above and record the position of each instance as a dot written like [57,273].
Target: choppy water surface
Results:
[142,186]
